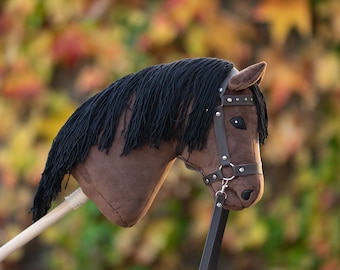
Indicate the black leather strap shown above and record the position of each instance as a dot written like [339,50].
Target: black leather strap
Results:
[229,100]
[213,242]
[221,137]
[238,170]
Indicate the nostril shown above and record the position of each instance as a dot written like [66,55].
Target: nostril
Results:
[246,194]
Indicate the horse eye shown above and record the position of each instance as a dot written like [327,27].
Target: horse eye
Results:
[238,122]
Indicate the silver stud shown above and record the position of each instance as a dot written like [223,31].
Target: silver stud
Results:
[218,114]
[214,176]
[207,181]
[224,157]
[241,169]
[237,99]
[220,90]
[219,204]
[246,99]
[229,99]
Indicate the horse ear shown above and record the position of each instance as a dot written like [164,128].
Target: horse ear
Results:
[247,77]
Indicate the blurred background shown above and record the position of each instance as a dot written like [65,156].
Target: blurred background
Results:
[55,54]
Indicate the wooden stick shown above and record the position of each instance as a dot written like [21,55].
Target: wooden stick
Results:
[73,201]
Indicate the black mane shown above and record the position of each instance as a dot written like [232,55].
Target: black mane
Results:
[164,95]
[174,101]
[262,113]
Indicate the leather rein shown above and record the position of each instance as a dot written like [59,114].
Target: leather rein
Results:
[219,219]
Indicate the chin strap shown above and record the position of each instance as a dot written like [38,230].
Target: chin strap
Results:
[213,242]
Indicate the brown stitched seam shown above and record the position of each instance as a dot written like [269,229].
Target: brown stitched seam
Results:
[81,171]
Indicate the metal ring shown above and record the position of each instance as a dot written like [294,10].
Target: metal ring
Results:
[231,177]
[221,192]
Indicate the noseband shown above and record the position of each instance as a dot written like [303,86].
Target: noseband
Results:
[221,139]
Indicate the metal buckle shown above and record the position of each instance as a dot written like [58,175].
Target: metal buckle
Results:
[225,181]
[222,193]
[224,186]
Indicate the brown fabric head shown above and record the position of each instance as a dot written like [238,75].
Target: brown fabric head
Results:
[120,144]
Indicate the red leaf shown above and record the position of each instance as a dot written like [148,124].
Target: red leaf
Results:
[23,85]
[70,46]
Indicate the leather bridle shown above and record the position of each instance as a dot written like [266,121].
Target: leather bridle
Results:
[219,219]
[221,139]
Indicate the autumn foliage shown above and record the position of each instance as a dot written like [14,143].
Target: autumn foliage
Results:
[55,54]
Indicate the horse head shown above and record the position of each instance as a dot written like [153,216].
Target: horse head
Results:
[120,143]
[231,162]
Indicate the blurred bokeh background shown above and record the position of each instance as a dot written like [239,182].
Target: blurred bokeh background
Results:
[54,54]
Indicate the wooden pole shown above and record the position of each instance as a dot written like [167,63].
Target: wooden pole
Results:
[73,201]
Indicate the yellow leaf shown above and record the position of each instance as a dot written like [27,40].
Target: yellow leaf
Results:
[195,42]
[60,109]
[25,85]
[184,12]
[289,77]
[250,231]
[328,70]
[283,16]
[287,138]
[67,10]
[90,78]
[162,29]
[227,44]
[19,8]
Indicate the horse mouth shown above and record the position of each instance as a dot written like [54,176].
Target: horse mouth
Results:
[239,202]
[233,207]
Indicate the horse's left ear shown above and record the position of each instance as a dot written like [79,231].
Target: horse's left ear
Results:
[247,77]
